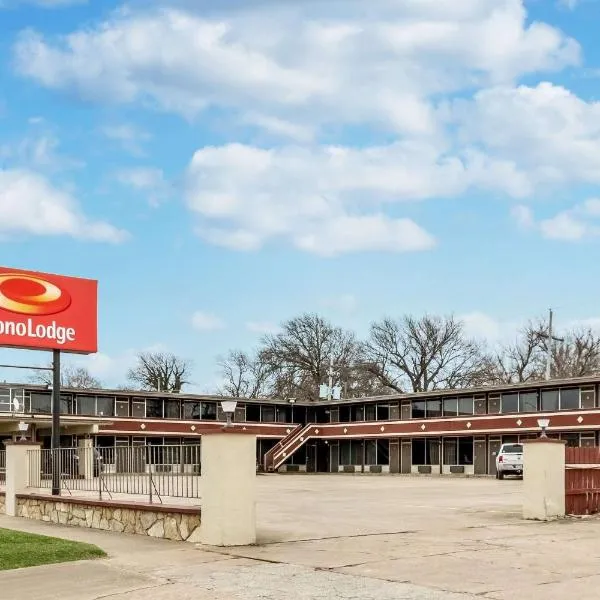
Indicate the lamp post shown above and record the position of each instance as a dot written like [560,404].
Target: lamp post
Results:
[23,427]
[228,407]
[543,424]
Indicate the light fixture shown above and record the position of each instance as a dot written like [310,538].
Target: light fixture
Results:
[228,407]
[23,427]
[543,424]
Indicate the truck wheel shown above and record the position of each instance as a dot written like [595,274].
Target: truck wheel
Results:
[500,474]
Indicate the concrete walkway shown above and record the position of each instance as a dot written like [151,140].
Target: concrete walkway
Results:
[354,538]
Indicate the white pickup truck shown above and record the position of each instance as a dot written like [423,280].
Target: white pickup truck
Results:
[509,460]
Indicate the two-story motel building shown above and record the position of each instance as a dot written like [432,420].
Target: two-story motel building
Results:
[447,431]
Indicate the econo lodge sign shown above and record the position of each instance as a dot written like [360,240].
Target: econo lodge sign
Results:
[48,312]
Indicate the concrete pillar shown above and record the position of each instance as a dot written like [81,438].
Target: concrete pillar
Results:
[228,488]
[543,479]
[85,455]
[21,471]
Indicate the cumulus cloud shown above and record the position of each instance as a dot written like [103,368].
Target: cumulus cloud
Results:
[244,196]
[130,137]
[29,204]
[571,225]
[341,65]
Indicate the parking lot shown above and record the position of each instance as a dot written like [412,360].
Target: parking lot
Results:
[361,537]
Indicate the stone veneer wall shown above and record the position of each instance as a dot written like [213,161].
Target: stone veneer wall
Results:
[159,521]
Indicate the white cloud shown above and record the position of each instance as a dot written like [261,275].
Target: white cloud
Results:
[148,180]
[245,196]
[341,64]
[203,321]
[572,225]
[30,204]
[550,135]
[483,327]
[129,136]
[262,327]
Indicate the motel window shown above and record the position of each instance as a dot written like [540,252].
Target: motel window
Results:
[284,414]
[569,399]
[465,406]
[572,439]
[138,409]
[253,413]
[370,452]
[434,409]
[370,412]
[41,403]
[425,452]
[172,409]
[418,409]
[67,405]
[383,452]
[358,412]
[528,402]
[267,414]
[122,408]
[209,411]
[86,405]
[383,412]
[510,403]
[450,451]
[458,451]
[465,451]
[105,407]
[351,452]
[450,407]
[191,410]
[344,414]
[154,408]
[550,400]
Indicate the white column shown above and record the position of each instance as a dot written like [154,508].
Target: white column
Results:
[18,471]
[228,489]
[543,479]
[85,454]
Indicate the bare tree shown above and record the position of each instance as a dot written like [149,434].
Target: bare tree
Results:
[521,361]
[244,376]
[420,354]
[70,377]
[578,355]
[160,371]
[298,357]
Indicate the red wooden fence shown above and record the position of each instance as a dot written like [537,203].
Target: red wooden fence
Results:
[582,480]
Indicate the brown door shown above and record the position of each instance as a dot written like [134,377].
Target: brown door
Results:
[395,455]
[480,456]
[493,447]
[406,457]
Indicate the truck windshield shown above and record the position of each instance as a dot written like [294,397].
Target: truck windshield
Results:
[512,449]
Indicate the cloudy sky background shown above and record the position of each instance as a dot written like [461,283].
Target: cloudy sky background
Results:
[223,166]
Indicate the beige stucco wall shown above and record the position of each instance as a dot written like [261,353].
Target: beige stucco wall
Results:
[543,480]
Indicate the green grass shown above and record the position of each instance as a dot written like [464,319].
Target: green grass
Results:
[18,549]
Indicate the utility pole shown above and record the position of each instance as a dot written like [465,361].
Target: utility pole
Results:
[330,388]
[550,345]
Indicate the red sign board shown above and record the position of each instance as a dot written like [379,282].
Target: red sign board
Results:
[48,312]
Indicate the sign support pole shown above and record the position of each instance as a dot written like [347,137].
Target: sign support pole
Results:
[56,423]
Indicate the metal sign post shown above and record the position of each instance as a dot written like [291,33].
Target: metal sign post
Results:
[55,444]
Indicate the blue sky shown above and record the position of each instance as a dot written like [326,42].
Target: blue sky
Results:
[223,166]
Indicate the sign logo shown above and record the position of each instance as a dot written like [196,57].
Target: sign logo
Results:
[30,295]
[48,312]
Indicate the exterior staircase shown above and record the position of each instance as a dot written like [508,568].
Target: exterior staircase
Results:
[277,455]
